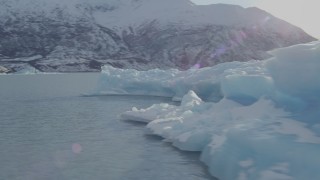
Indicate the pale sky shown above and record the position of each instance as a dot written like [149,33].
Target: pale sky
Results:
[302,13]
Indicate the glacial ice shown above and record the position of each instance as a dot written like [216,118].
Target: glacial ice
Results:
[28,70]
[255,120]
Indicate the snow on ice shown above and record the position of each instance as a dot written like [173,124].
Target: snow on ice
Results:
[255,120]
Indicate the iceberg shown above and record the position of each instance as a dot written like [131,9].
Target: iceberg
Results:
[28,70]
[255,120]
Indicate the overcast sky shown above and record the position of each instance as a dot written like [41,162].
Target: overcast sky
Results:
[302,13]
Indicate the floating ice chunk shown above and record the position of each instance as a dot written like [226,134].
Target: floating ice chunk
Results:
[28,70]
[255,120]
[263,139]
[294,70]
[190,100]
[246,163]
[290,79]
[250,87]
[237,141]
[278,171]
[156,111]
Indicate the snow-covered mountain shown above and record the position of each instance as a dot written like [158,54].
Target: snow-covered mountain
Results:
[78,35]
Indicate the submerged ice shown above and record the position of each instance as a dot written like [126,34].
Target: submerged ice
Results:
[255,120]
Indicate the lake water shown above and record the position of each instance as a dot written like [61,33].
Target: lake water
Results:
[48,131]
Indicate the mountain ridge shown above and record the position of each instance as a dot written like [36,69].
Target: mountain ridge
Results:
[78,36]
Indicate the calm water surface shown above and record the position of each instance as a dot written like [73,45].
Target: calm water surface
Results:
[48,131]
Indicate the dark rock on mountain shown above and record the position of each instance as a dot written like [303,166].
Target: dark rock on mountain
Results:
[144,34]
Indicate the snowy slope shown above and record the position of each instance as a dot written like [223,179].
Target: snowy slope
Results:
[256,120]
[78,35]
[181,12]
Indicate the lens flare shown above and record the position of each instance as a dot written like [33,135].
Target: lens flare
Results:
[76,148]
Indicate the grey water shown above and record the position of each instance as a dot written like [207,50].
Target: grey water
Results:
[49,131]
